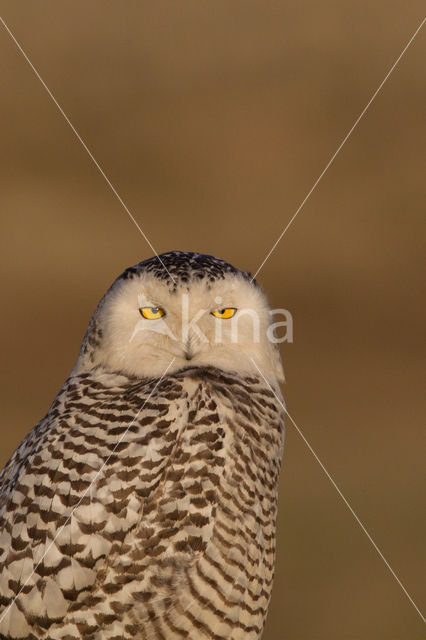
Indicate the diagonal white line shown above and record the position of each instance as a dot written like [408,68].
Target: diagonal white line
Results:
[85,492]
[84,145]
[333,157]
[341,495]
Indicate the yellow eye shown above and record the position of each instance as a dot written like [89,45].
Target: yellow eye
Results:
[152,313]
[224,313]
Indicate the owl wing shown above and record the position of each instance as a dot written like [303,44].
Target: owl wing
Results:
[73,491]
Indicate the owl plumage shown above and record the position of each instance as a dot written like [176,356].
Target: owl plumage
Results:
[143,505]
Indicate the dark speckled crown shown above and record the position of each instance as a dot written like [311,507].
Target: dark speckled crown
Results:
[185,267]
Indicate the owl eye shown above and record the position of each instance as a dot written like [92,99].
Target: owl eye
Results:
[224,313]
[152,313]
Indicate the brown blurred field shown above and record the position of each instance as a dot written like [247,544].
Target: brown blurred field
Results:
[213,120]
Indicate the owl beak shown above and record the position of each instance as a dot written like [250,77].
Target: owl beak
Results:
[187,347]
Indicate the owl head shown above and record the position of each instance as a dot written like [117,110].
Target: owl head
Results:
[181,309]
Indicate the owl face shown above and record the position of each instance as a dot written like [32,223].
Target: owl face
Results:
[210,314]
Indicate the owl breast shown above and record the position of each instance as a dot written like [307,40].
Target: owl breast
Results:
[144,510]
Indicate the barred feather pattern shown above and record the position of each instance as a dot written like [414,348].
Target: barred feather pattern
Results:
[143,509]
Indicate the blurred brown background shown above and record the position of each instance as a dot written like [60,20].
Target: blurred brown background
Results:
[213,120]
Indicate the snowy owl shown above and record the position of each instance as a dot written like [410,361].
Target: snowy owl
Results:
[143,505]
